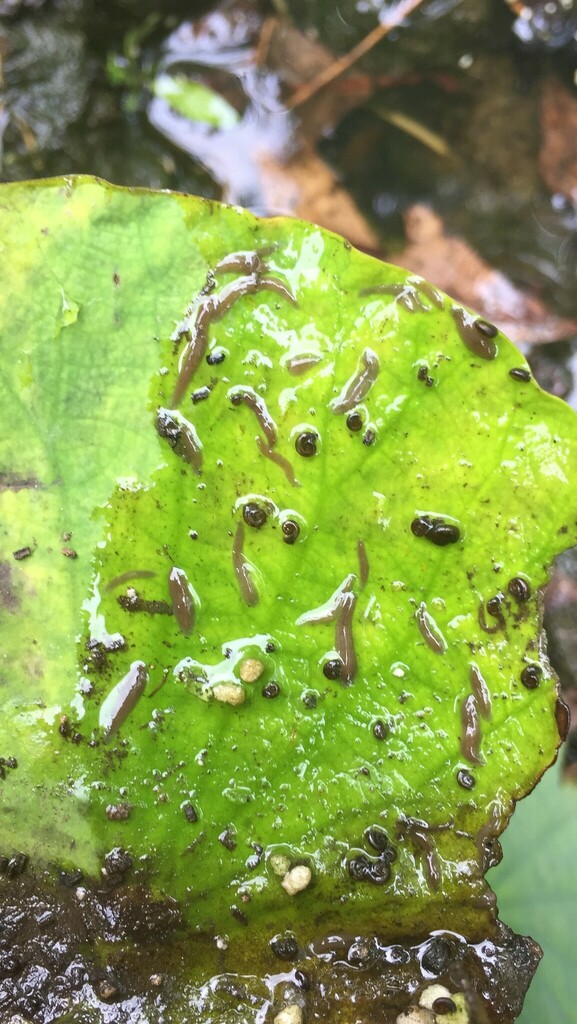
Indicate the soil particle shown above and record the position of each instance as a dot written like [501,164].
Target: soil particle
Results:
[22,553]
[118,812]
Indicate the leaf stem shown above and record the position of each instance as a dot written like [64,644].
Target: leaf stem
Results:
[342,64]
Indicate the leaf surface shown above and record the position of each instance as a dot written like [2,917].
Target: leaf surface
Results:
[288,510]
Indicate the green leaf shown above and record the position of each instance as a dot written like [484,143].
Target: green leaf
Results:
[288,511]
[536,891]
[195,101]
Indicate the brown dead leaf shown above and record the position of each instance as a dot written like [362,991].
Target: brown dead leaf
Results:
[300,183]
[266,160]
[558,156]
[297,59]
[560,618]
[304,186]
[451,264]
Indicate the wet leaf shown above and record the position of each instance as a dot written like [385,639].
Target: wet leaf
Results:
[451,264]
[195,101]
[271,661]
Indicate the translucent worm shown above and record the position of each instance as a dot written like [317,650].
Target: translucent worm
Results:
[328,611]
[470,731]
[182,600]
[195,348]
[213,308]
[429,630]
[480,691]
[257,405]
[182,437]
[488,846]
[358,386]
[189,446]
[243,262]
[418,832]
[363,564]
[300,364]
[272,284]
[405,294]
[246,584]
[122,698]
[280,460]
[132,574]
[344,642]
[476,340]
[430,293]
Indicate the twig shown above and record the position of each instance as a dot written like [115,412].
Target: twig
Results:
[269,26]
[397,16]
[412,127]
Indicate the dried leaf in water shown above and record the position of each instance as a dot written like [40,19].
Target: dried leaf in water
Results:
[451,264]
[558,156]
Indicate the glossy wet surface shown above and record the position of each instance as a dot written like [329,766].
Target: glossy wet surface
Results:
[141,966]
[252,717]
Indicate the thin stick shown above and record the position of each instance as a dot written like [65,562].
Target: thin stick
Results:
[335,70]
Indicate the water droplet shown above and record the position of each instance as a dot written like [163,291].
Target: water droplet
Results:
[68,311]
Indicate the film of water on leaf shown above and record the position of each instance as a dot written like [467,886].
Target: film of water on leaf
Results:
[270,722]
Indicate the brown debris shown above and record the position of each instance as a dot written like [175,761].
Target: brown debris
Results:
[22,553]
[396,16]
[304,186]
[558,156]
[15,482]
[297,59]
[118,812]
[451,264]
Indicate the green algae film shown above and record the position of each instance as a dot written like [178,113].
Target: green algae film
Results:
[253,473]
